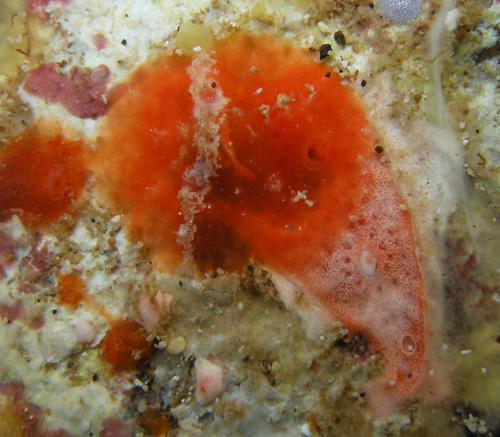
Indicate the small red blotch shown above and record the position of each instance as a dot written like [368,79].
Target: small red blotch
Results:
[70,290]
[40,176]
[37,7]
[125,345]
[209,381]
[100,41]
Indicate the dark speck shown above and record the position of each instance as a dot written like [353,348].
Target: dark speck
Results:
[54,311]
[213,84]
[498,339]
[339,38]
[379,149]
[328,74]
[180,283]
[362,394]
[323,51]
[245,358]
[363,83]
[370,5]
[95,377]
[124,42]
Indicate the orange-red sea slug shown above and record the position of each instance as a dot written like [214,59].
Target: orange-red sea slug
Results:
[255,150]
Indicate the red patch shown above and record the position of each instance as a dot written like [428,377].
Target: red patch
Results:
[251,151]
[81,91]
[39,177]
[70,289]
[125,344]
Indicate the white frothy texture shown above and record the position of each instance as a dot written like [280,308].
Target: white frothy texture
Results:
[400,11]
[369,280]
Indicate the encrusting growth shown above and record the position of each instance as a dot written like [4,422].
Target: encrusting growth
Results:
[251,150]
